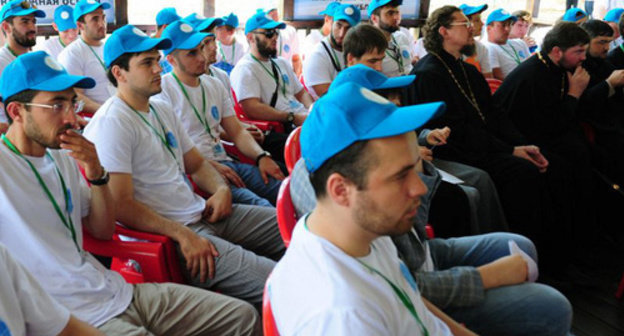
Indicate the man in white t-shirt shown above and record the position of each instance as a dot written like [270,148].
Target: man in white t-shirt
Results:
[46,205]
[341,273]
[203,106]
[231,50]
[67,31]
[386,15]
[505,54]
[83,57]
[327,60]
[142,142]
[287,42]
[19,26]
[316,35]
[481,56]
[267,87]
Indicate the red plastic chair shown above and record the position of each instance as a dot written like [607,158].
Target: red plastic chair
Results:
[494,84]
[620,290]
[292,149]
[286,215]
[268,321]
[261,124]
[234,152]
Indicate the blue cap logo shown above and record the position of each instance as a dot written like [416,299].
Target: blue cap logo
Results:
[405,53]
[65,15]
[185,28]
[286,79]
[349,11]
[54,65]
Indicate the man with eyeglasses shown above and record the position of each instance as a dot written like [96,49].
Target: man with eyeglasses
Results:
[67,31]
[265,85]
[386,15]
[84,57]
[505,54]
[288,43]
[481,57]
[327,60]
[230,49]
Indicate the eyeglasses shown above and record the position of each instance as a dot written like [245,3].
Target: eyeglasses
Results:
[468,24]
[61,108]
[269,33]
[24,5]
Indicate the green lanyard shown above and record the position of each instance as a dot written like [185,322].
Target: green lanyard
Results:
[515,54]
[277,80]
[95,54]
[203,121]
[233,51]
[67,221]
[61,42]
[621,47]
[164,137]
[10,50]
[279,37]
[397,55]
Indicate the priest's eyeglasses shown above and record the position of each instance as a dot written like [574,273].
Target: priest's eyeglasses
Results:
[468,24]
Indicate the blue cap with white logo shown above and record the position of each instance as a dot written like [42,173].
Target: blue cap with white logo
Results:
[19,8]
[39,71]
[329,10]
[182,36]
[261,21]
[365,115]
[470,10]
[230,20]
[64,18]
[130,39]
[347,12]
[369,78]
[166,16]
[500,15]
[574,14]
[87,6]
[374,4]
[200,23]
[614,15]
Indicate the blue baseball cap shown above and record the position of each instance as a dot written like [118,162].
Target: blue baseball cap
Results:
[329,10]
[261,21]
[199,22]
[574,14]
[365,115]
[500,15]
[230,20]
[130,39]
[182,36]
[470,10]
[87,6]
[64,18]
[614,15]
[369,78]
[374,4]
[166,16]
[347,12]
[19,8]
[39,71]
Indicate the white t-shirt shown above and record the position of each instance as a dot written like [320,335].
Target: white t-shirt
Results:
[43,244]
[6,57]
[318,68]
[398,56]
[419,49]
[218,106]
[254,79]
[232,53]
[317,289]
[310,42]
[53,46]
[287,43]
[507,56]
[223,77]
[126,144]
[25,308]
[81,59]
[410,38]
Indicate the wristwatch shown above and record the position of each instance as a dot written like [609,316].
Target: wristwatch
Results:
[261,155]
[291,117]
[102,180]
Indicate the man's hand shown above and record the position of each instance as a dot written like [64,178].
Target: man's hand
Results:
[533,154]
[616,79]
[300,118]
[425,153]
[83,151]
[228,173]
[529,41]
[438,136]
[256,133]
[199,254]
[267,168]
[578,82]
[509,270]
[218,206]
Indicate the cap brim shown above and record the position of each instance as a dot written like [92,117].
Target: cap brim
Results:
[152,43]
[190,43]
[405,119]
[397,82]
[209,22]
[273,25]
[38,13]
[345,18]
[476,9]
[65,81]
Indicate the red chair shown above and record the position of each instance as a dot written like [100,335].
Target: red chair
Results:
[234,152]
[286,215]
[620,290]
[264,125]
[268,321]
[494,84]
[292,149]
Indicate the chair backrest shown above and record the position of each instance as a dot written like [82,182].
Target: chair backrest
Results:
[286,215]
[268,321]
[494,84]
[292,149]
[261,124]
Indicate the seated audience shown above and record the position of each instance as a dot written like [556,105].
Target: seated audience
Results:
[505,54]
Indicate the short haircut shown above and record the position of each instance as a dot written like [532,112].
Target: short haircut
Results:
[522,15]
[595,28]
[441,17]
[353,163]
[362,39]
[123,62]
[564,35]
[621,24]
[25,96]
[393,3]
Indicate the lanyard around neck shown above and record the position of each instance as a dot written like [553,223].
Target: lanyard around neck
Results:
[61,42]
[204,120]
[514,56]
[274,75]
[67,220]
[397,55]
[10,50]
[233,51]
[95,54]
[164,139]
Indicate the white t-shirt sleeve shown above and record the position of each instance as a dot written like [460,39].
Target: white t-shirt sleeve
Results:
[342,322]
[483,55]
[317,68]
[245,83]
[68,61]
[492,50]
[85,197]
[294,83]
[115,156]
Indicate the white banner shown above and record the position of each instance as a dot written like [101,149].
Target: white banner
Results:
[48,6]
[309,9]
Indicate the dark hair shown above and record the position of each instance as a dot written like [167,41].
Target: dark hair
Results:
[564,35]
[595,28]
[158,27]
[621,24]
[522,15]
[362,39]
[393,3]
[123,62]
[81,19]
[25,96]
[352,162]
[441,17]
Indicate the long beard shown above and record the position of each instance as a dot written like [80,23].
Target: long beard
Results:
[23,40]
[265,50]
[468,49]
[390,29]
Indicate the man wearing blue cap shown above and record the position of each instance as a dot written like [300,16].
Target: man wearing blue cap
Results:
[231,50]
[84,57]
[66,28]
[142,142]
[288,43]
[505,54]
[165,17]
[316,35]
[481,57]
[203,106]
[266,86]
[612,18]
[41,102]
[575,15]
[386,15]
[327,60]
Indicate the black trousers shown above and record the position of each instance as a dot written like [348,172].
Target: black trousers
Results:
[449,213]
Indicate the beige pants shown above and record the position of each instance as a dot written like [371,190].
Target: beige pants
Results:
[171,309]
